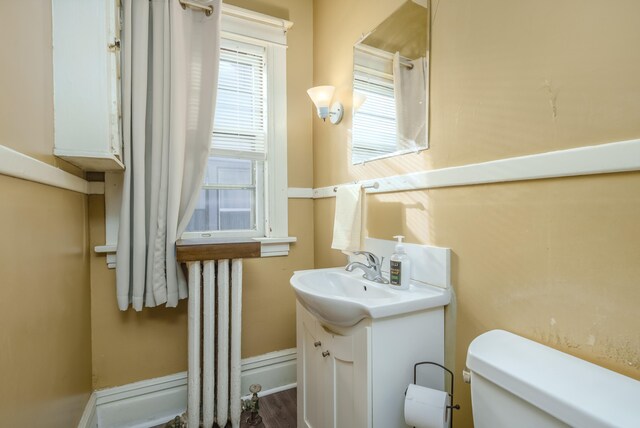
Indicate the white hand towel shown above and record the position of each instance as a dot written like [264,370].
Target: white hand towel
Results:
[347,226]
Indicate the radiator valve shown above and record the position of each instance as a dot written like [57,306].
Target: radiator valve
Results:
[253,405]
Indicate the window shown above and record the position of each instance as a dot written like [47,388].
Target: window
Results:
[244,193]
[232,198]
[374,124]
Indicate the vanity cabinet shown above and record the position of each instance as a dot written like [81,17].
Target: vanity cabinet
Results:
[86,83]
[356,376]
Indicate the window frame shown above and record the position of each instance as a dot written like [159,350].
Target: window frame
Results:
[270,33]
[257,159]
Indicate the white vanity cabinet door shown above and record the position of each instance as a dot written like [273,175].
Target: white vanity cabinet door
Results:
[311,390]
[348,378]
[86,83]
[334,375]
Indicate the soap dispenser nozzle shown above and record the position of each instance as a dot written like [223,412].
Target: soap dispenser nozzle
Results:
[399,245]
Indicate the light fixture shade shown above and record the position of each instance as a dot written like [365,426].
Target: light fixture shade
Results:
[321,95]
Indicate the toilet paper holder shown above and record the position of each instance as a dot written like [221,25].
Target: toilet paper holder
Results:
[451,407]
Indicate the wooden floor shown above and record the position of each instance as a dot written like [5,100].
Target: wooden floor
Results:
[277,410]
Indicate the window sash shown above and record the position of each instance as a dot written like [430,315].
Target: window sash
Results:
[240,124]
[258,208]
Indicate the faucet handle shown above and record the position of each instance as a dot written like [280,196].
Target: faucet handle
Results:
[372,259]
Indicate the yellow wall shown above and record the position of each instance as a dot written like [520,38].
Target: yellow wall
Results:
[553,260]
[129,346]
[45,338]
[26,84]
[45,318]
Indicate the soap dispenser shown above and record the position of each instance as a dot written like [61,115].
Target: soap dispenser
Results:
[400,266]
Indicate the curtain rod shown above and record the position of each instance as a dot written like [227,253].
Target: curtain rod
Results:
[207,9]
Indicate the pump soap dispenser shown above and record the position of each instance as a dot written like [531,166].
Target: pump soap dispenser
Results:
[400,266]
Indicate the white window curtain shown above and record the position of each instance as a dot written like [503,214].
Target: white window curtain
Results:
[411,110]
[170,60]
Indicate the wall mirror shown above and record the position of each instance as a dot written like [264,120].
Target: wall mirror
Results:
[391,85]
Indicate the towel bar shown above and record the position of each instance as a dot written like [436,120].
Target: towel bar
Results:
[374,185]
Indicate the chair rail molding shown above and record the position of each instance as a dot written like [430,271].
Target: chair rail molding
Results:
[19,165]
[300,193]
[622,156]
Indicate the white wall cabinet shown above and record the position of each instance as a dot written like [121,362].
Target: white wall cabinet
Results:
[86,84]
[356,377]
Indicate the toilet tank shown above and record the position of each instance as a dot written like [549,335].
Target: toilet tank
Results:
[516,382]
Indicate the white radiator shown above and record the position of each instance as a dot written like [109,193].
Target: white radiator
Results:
[220,388]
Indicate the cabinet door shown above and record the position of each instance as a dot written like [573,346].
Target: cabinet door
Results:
[312,383]
[334,375]
[85,36]
[347,379]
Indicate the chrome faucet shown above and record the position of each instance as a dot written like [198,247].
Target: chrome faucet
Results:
[372,270]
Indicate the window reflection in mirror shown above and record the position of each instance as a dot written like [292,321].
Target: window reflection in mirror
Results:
[390,85]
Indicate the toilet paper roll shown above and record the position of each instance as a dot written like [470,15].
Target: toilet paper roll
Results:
[425,407]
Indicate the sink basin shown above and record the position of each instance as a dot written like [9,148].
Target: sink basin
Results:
[343,298]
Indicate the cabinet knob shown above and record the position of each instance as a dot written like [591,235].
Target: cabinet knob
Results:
[317,343]
[326,354]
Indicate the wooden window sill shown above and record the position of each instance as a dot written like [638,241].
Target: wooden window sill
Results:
[188,250]
[191,250]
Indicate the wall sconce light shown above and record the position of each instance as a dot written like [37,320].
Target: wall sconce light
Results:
[321,97]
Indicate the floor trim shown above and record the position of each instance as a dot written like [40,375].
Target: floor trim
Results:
[89,417]
[130,406]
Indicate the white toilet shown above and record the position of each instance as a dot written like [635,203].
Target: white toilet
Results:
[516,382]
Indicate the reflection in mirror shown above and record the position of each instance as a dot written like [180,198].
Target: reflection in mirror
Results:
[390,85]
